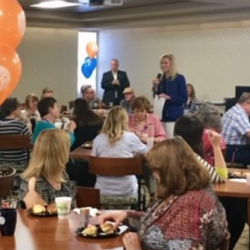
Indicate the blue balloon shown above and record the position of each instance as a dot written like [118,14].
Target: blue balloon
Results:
[88,66]
[93,63]
[86,70]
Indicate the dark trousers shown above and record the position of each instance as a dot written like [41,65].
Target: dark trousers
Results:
[238,154]
[78,171]
[236,209]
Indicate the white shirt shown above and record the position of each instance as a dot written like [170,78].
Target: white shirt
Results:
[114,75]
[126,147]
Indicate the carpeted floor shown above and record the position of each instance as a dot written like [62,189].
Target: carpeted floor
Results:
[243,243]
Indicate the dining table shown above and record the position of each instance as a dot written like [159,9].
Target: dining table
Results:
[50,233]
[81,153]
[236,188]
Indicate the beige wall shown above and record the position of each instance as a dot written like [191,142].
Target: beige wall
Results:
[214,60]
[49,58]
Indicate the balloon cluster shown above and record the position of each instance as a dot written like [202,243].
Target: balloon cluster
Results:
[90,62]
[12,28]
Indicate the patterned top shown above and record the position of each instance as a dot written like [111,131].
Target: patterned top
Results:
[191,106]
[47,192]
[235,124]
[195,220]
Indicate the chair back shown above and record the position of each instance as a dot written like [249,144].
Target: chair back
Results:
[63,109]
[71,104]
[7,182]
[87,197]
[225,245]
[15,142]
[115,166]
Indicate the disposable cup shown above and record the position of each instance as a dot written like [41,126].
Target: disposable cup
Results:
[63,205]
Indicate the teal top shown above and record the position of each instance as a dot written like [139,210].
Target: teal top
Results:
[44,125]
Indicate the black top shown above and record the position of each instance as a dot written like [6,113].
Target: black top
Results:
[85,133]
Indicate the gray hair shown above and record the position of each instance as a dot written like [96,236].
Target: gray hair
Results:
[210,115]
[245,97]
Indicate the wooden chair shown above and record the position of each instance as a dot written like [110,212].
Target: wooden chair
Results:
[71,104]
[87,197]
[15,142]
[6,183]
[225,245]
[119,167]
[63,109]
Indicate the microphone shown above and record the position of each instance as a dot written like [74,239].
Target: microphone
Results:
[155,86]
[159,76]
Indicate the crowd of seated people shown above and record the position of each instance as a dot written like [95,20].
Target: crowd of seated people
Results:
[123,132]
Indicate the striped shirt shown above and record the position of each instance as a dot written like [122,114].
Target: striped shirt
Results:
[11,127]
[235,124]
[215,178]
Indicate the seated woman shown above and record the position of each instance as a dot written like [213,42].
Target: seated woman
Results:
[191,105]
[47,92]
[12,125]
[186,213]
[46,174]
[88,123]
[116,141]
[144,124]
[30,113]
[190,128]
[210,115]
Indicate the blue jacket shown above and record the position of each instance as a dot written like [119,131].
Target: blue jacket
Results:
[177,90]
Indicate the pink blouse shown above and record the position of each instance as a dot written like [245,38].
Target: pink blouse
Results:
[152,120]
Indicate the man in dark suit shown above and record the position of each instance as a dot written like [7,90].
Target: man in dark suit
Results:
[114,82]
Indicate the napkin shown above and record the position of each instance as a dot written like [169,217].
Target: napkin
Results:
[238,180]
[92,211]
[122,228]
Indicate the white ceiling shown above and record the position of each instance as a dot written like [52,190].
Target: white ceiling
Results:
[139,13]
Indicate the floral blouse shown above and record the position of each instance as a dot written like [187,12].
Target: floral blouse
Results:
[195,220]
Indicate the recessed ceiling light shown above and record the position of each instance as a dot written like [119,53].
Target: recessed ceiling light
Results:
[54,4]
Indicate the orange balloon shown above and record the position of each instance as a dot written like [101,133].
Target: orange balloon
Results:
[12,22]
[10,71]
[92,49]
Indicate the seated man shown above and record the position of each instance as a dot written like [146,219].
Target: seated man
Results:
[236,131]
[88,94]
[49,112]
[129,97]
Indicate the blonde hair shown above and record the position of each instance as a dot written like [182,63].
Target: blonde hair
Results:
[173,69]
[115,123]
[29,97]
[178,168]
[46,90]
[49,156]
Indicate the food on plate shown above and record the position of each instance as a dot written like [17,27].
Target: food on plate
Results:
[107,228]
[240,174]
[91,230]
[51,208]
[38,209]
